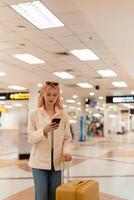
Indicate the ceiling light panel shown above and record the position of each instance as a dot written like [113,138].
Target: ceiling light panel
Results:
[107,73]
[92,93]
[37,14]
[70,101]
[132,92]
[63,75]
[16,87]
[84,54]
[2,74]
[119,84]
[28,58]
[84,85]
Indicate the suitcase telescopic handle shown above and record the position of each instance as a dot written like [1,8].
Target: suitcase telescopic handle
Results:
[62,171]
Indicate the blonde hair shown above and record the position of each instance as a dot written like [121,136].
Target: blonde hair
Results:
[43,90]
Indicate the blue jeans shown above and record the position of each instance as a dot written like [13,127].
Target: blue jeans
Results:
[46,182]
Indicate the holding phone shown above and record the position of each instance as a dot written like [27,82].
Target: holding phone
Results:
[56,120]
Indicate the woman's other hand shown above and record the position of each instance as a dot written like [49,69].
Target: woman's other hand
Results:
[67,157]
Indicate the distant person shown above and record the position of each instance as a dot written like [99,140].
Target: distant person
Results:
[71,129]
[93,128]
[50,141]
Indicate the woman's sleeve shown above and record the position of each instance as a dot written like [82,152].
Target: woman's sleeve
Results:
[67,136]
[34,135]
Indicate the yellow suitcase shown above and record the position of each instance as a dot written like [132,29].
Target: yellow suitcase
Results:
[77,189]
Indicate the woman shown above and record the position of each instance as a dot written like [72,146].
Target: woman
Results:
[50,141]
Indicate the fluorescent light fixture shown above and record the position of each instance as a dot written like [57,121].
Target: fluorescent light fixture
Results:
[37,14]
[64,106]
[40,84]
[75,96]
[107,73]
[84,85]
[92,93]
[72,107]
[17,104]
[28,58]
[113,116]
[63,75]
[70,101]
[2,74]
[84,54]
[119,84]
[72,121]
[101,97]
[97,115]
[125,104]
[132,92]
[16,87]
[2,97]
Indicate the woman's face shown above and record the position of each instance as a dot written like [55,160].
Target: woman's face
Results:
[51,96]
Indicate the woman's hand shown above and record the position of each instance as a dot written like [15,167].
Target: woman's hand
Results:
[67,157]
[49,128]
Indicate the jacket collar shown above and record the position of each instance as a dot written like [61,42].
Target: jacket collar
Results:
[44,112]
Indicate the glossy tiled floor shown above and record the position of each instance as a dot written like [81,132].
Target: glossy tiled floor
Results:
[109,160]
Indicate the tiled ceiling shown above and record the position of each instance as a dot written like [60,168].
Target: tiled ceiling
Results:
[86,26]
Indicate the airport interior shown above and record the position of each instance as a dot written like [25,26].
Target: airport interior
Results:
[87,46]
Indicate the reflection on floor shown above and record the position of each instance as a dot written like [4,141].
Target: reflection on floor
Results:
[109,160]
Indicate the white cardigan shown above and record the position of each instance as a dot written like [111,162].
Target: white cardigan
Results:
[40,156]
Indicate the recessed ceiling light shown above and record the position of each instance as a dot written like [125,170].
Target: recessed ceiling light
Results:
[84,54]
[16,87]
[64,106]
[119,84]
[71,107]
[2,74]
[92,93]
[70,101]
[37,14]
[84,85]
[107,73]
[132,92]
[75,96]
[28,58]
[101,97]
[39,84]
[63,75]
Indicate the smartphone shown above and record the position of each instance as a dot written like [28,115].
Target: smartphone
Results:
[56,120]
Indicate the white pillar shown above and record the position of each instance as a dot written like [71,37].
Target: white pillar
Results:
[33,96]
[105,122]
